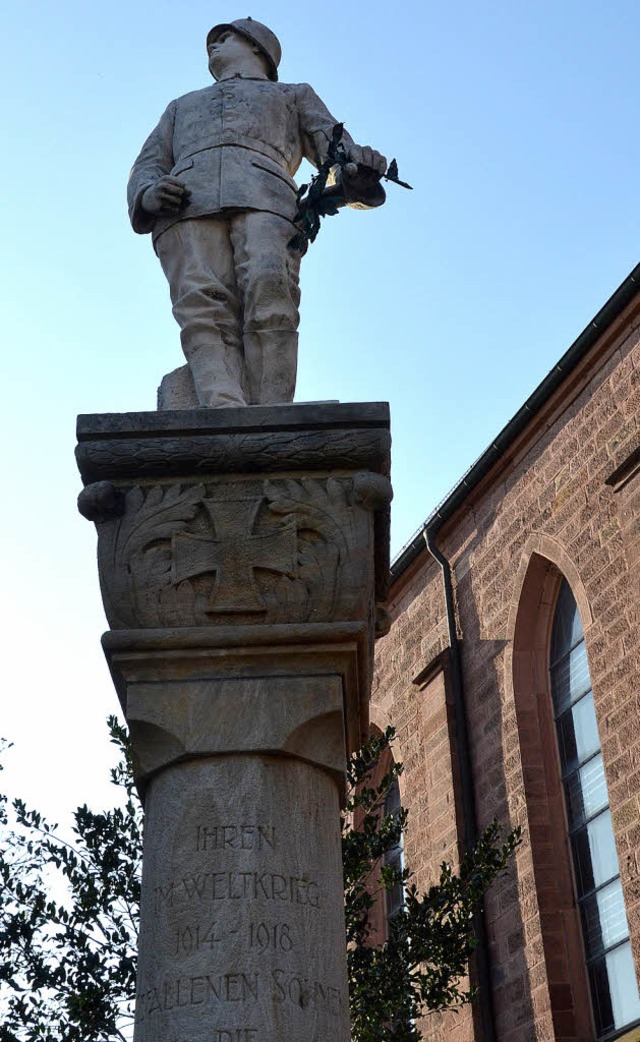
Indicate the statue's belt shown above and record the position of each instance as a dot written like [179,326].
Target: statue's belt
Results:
[238,141]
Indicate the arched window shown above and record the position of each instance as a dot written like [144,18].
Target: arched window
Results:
[612,978]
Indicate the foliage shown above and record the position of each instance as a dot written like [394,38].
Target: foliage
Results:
[316,200]
[421,966]
[67,963]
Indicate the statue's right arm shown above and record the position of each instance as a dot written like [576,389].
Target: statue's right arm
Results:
[154,162]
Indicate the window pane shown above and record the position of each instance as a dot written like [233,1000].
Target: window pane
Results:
[615,990]
[570,678]
[392,799]
[601,997]
[578,733]
[594,853]
[604,919]
[395,896]
[394,857]
[623,985]
[392,808]
[586,792]
[567,627]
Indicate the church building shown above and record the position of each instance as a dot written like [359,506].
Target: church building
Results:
[511,674]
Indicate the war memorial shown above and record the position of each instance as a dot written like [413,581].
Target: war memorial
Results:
[243,554]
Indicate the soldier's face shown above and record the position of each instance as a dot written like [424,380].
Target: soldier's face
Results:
[228,52]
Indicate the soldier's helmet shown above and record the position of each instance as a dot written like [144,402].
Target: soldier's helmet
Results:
[258,33]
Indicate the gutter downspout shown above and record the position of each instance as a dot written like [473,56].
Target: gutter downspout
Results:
[470,831]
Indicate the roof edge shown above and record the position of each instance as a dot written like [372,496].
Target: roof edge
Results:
[610,311]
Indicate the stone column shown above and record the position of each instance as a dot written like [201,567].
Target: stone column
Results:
[241,555]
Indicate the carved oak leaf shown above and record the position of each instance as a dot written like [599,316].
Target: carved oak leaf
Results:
[134,563]
[288,599]
[316,505]
[158,515]
[177,603]
[321,512]
[318,563]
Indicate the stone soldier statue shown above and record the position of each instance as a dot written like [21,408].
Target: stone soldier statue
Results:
[214,186]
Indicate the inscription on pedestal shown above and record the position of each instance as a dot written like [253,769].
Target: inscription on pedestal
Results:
[238,886]
[237,915]
[245,837]
[207,989]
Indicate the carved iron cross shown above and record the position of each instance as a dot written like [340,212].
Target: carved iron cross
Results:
[234,554]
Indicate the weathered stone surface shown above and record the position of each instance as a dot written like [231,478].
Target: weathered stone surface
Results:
[172,659]
[298,416]
[257,440]
[297,715]
[241,590]
[176,390]
[243,925]
[289,550]
[211,547]
[214,186]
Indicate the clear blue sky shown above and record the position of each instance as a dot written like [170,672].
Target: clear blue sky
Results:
[517,124]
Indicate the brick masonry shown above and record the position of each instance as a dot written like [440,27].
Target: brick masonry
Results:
[563,499]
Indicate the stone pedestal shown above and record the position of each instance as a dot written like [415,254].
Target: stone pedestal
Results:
[241,554]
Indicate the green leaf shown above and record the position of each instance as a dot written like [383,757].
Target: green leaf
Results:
[69,914]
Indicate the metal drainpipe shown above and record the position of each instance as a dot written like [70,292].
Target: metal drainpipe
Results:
[483,966]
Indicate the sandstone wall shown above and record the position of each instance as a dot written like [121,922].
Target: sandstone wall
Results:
[562,501]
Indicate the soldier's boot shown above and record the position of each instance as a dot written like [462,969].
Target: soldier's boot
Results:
[271,364]
[217,374]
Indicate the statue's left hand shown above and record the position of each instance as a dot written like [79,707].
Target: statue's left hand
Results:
[367,157]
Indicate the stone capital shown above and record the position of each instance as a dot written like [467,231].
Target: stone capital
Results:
[192,693]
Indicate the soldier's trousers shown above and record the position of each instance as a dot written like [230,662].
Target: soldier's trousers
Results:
[235,295]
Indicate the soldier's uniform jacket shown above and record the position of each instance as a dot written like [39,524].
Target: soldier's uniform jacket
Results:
[236,145]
